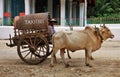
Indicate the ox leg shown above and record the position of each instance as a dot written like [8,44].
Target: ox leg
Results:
[53,57]
[68,54]
[87,58]
[91,57]
[63,58]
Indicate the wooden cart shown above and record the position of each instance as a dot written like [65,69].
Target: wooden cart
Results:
[31,36]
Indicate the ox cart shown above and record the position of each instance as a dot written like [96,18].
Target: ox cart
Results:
[32,36]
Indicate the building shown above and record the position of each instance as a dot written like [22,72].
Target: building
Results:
[66,12]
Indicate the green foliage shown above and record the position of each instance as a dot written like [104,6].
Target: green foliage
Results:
[105,8]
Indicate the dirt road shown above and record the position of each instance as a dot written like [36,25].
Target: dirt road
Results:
[106,63]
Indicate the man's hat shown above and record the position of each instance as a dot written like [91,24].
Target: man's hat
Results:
[53,20]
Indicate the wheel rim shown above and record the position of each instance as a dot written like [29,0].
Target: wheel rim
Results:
[33,50]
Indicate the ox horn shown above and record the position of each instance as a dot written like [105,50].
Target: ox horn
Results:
[96,28]
[104,25]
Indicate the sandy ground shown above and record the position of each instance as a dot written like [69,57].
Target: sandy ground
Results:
[106,63]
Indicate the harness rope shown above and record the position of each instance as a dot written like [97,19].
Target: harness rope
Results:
[99,34]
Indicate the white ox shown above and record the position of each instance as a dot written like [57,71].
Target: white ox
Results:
[89,39]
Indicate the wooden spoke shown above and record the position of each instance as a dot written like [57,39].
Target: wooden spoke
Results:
[27,54]
[36,51]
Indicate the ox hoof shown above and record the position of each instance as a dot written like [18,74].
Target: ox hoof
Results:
[67,65]
[69,57]
[92,58]
[89,65]
[51,65]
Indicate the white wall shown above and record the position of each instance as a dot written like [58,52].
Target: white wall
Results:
[5,31]
[115,28]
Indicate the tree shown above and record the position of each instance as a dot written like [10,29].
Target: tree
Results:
[104,8]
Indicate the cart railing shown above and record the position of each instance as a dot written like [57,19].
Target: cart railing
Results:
[32,23]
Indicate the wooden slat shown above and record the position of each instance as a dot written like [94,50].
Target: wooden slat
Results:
[33,21]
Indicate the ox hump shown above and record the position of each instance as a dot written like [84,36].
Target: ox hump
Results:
[89,28]
[58,35]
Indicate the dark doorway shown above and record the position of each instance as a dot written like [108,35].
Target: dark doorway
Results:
[17,6]
[41,6]
[56,10]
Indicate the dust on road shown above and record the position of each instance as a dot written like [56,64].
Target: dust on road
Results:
[106,63]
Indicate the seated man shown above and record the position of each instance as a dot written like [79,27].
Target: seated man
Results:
[52,22]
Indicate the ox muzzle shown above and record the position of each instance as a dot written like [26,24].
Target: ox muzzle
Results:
[112,36]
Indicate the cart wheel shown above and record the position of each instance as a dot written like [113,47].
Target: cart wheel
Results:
[33,49]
